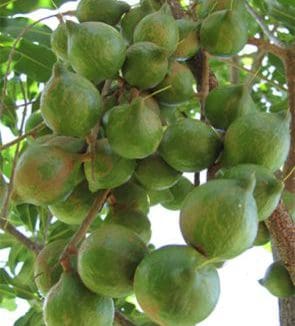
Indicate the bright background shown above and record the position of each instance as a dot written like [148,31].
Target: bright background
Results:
[243,301]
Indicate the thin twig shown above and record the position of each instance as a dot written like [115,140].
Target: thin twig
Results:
[12,51]
[32,132]
[268,47]
[263,26]
[122,320]
[71,248]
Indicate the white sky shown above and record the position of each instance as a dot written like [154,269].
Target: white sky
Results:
[243,301]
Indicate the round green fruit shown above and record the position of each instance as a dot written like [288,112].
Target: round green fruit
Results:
[263,236]
[134,220]
[108,170]
[46,174]
[268,188]
[159,28]
[108,258]
[146,65]
[224,33]
[70,303]
[219,218]
[179,192]
[278,281]
[106,11]
[226,104]
[134,130]
[209,6]
[59,42]
[259,138]
[34,120]
[70,104]
[129,22]
[178,85]
[74,209]
[159,196]
[174,286]
[47,269]
[130,196]
[95,50]
[190,145]
[155,174]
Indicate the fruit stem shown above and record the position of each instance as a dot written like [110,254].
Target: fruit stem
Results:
[157,92]
[289,174]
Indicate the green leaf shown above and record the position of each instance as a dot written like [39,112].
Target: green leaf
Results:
[14,26]
[31,318]
[28,215]
[8,304]
[34,60]
[6,291]
[6,241]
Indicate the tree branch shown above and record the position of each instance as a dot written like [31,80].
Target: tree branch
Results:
[268,47]
[71,248]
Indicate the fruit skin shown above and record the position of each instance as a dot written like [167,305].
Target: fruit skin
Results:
[129,22]
[74,209]
[181,80]
[219,218]
[46,174]
[278,281]
[188,44]
[263,236]
[59,42]
[174,286]
[133,220]
[70,303]
[224,33]
[155,174]
[106,50]
[33,121]
[248,140]
[134,130]
[268,188]
[289,201]
[70,104]
[130,196]
[108,169]
[209,6]
[107,260]
[47,269]
[159,28]
[179,192]
[190,145]
[146,65]
[226,104]
[159,196]
[106,11]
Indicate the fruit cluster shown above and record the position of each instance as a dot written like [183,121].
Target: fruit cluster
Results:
[119,70]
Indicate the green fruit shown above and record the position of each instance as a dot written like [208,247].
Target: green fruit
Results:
[108,170]
[263,236]
[105,54]
[268,188]
[74,209]
[170,114]
[146,65]
[248,140]
[226,104]
[108,258]
[179,192]
[47,269]
[134,220]
[159,196]
[32,122]
[209,6]
[159,28]
[278,281]
[190,145]
[155,174]
[134,130]
[289,201]
[174,286]
[188,44]
[219,218]
[129,22]
[224,33]
[59,42]
[130,196]
[70,303]
[70,104]
[106,11]
[179,83]
[46,174]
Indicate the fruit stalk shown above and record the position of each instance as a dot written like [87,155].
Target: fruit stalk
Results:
[71,247]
